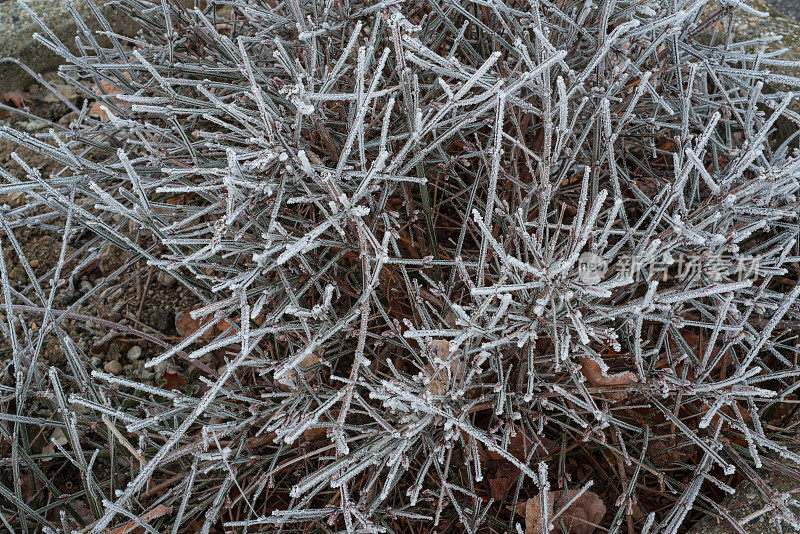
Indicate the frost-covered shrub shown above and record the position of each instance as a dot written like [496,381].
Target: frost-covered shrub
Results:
[459,254]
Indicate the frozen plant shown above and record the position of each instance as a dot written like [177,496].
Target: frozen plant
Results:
[459,255]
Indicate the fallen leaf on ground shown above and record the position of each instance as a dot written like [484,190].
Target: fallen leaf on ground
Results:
[174,380]
[313,434]
[99,108]
[12,199]
[501,474]
[581,517]
[501,477]
[18,98]
[108,87]
[290,382]
[133,527]
[438,371]
[597,378]
[186,325]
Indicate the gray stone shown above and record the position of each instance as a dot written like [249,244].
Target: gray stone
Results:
[67,119]
[113,367]
[134,353]
[67,91]
[165,279]
[17,28]
[160,368]
[33,125]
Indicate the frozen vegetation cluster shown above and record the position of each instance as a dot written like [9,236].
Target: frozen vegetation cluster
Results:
[445,248]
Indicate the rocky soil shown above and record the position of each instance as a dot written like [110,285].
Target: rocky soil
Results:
[104,283]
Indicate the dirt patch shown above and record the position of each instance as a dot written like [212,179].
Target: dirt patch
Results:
[101,281]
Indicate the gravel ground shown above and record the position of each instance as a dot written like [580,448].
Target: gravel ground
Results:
[790,7]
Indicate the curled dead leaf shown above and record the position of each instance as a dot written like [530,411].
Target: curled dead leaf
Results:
[174,380]
[182,200]
[501,474]
[18,98]
[314,434]
[291,377]
[99,109]
[596,376]
[581,517]
[186,325]
[110,88]
[134,527]
[441,367]
[501,478]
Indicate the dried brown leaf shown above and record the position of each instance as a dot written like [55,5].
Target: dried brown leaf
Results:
[174,380]
[133,527]
[18,98]
[502,474]
[581,517]
[186,325]
[594,374]
[291,377]
[440,373]
[101,110]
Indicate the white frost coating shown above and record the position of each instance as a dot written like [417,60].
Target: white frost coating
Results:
[384,213]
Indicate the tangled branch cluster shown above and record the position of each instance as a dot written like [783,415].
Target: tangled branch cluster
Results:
[423,233]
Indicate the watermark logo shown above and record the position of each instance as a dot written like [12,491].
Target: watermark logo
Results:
[591,268]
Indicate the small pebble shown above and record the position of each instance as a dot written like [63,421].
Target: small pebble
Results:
[116,313]
[66,91]
[113,367]
[34,264]
[34,125]
[67,119]
[134,353]
[86,286]
[95,361]
[165,279]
